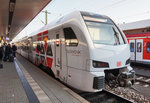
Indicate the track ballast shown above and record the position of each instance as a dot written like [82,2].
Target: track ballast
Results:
[103,97]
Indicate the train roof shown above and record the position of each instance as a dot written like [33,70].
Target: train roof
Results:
[66,18]
[138,35]
[63,19]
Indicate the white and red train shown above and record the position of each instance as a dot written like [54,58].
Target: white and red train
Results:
[139,47]
[81,49]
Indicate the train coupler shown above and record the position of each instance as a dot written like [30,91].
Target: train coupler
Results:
[123,79]
[126,79]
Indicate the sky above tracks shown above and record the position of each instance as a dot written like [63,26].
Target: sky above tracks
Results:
[119,10]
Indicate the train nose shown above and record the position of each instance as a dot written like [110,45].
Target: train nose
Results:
[115,56]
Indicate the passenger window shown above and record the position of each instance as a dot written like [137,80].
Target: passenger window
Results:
[148,47]
[131,47]
[34,46]
[42,49]
[57,40]
[38,47]
[139,46]
[57,36]
[70,37]
[42,59]
[49,50]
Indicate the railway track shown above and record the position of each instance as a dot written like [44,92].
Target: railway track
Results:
[129,94]
[145,80]
[104,97]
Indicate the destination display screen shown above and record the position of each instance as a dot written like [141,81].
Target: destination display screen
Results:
[96,18]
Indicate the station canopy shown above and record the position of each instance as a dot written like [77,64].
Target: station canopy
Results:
[15,15]
[135,25]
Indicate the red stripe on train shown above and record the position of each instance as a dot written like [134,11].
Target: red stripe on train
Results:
[49,62]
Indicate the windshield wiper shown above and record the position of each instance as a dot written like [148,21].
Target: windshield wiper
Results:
[116,36]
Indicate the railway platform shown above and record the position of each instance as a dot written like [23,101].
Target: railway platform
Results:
[23,82]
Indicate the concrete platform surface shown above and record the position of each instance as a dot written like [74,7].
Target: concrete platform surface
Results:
[11,89]
[23,82]
[54,90]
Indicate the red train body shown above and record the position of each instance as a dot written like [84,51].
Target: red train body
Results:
[139,47]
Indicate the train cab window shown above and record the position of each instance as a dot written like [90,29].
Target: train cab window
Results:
[70,37]
[42,49]
[148,47]
[131,47]
[49,50]
[105,33]
[139,46]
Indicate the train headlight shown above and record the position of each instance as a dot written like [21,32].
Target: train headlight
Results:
[128,61]
[99,64]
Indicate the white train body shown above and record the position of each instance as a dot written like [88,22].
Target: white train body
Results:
[78,49]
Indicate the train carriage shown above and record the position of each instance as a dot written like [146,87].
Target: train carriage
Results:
[139,47]
[81,49]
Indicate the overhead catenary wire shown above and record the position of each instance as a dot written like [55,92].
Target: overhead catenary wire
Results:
[122,20]
[121,2]
[113,4]
[136,14]
[41,21]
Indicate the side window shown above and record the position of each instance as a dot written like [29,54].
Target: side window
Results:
[28,46]
[70,37]
[57,39]
[131,47]
[49,50]
[42,59]
[148,47]
[42,49]
[34,46]
[57,36]
[38,47]
[139,46]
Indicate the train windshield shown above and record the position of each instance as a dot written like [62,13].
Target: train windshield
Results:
[103,31]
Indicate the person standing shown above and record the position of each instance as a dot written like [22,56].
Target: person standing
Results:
[4,53]
[14,48]
[9,51]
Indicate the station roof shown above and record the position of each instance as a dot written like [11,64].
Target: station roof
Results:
[17,14]
[135,25]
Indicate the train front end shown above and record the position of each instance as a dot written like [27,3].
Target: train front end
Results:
[109,61]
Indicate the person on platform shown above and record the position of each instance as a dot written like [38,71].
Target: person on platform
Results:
[9,51]
[3,49]
[14,48]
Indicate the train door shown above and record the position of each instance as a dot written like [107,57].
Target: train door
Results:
[60,56]
[57,55]
[30,56]
[139,49]
[132,49]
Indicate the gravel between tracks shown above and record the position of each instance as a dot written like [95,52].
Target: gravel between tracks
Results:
[128,94]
